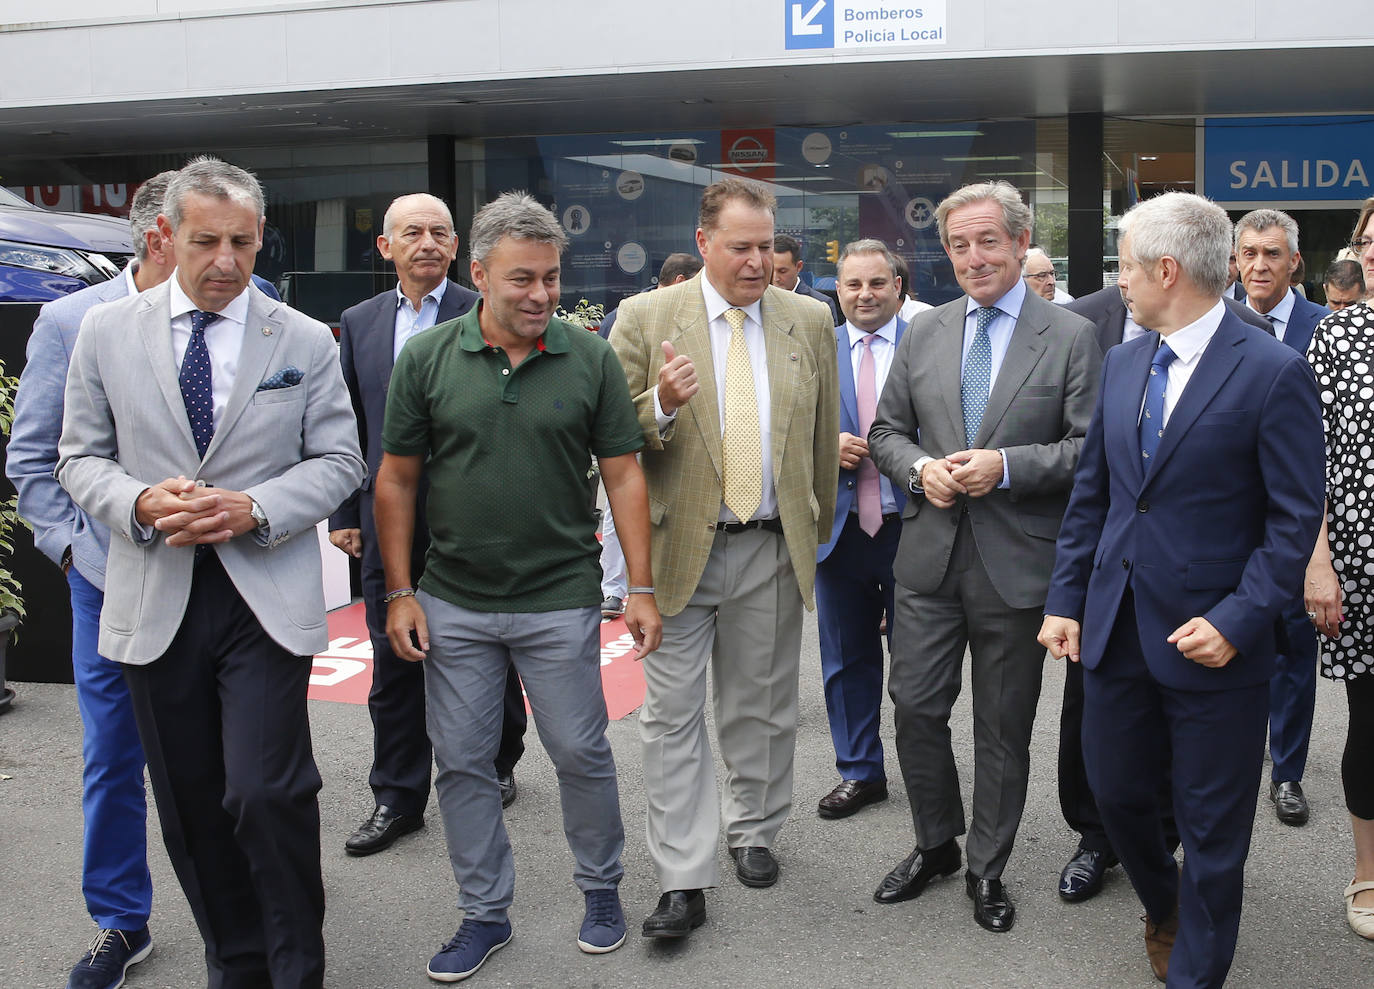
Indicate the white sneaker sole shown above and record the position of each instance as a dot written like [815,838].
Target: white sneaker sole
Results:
[596,949]
[460,976]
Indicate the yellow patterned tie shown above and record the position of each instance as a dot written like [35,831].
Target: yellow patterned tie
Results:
[743,462]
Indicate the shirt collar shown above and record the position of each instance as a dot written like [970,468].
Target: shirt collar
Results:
[130,270]
[716,304]
[554,339]
[437,294]
[1010,304]
[236,310]
[1282,311]
[1191,340]
[856,335]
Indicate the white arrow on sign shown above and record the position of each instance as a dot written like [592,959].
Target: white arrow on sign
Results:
[802,23]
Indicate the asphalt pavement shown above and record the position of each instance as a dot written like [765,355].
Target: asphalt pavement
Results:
[817,927]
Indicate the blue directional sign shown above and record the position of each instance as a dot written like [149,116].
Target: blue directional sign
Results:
[809,23]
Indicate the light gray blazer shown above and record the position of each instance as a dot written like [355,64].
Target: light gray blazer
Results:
[1038,411]
[294,450]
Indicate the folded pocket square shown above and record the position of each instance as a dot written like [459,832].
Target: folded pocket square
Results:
[285,378]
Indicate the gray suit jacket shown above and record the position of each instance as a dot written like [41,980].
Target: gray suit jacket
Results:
[294,450]
[1038,412]
[31,454]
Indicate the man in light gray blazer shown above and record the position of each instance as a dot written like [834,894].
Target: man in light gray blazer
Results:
[209,428]
[981,419]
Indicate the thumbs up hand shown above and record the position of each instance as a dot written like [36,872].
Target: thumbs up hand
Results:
[677,379]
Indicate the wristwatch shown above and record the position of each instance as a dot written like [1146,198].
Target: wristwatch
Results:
[259,516]
[913,479]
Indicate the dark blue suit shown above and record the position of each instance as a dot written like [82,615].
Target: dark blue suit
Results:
[1293,690]
[853,591]
[1220,526]
[401,751]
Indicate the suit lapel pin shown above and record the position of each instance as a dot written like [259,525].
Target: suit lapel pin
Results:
[267,331]
[791,357]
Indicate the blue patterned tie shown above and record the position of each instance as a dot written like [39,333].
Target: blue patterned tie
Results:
[196,390]
[1152,418]
[977,375]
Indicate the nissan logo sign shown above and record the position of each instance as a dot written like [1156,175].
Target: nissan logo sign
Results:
[747,152]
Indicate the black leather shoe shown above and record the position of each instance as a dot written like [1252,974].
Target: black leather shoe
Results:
[755,866]
[381,831]
[914,873]
[506,781]
[1082,876]
[679,912]
[851,796]
[1290,806]
[991,908]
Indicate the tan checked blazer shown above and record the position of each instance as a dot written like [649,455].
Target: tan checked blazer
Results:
[683,468]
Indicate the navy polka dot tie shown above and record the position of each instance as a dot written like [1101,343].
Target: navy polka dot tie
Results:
[196,390]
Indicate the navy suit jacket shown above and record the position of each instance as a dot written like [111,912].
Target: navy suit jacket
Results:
[367,334]
[1301,322]
[804,289]
[1221,524]
[849,423]
[1107,312]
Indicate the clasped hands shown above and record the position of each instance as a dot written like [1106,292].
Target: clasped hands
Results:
[1197,638]
[967,472]
[191,514]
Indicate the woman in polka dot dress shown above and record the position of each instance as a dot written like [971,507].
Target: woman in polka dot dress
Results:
[1340,577]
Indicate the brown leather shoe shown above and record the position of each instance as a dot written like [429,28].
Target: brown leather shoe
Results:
[851,796]
[1159,944]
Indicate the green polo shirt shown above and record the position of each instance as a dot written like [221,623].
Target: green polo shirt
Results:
[508,450]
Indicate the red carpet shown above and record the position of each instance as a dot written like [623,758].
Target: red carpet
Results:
[343,672]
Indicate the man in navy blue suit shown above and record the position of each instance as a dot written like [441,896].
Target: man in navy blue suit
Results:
[854,568]
[1196,503]
[1267,252]
[418,237]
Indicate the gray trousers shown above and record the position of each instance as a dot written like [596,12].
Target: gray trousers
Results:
[929,636]
[745,619]
[558,657]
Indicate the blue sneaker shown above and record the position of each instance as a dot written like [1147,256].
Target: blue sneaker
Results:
[475,942]
[108,957]
[603,928]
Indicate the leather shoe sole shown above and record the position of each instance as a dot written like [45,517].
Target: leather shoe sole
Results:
[915,872]
[380,831]
[755,866]
[679,912]
[991,908]
[850,797]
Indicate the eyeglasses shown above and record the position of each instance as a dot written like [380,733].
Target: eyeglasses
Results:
[1360,244]
[1040,276]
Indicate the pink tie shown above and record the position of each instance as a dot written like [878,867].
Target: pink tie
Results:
[870,498]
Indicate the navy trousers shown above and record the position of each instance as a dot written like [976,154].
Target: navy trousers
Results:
[1293,696]
[1130,723]
[853,590]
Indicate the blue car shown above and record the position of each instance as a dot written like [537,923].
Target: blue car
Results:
[45,255]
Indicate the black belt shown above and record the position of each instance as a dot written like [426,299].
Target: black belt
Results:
[767,525]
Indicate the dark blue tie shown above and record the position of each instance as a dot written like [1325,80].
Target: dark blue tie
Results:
[1152,418]
[196,390]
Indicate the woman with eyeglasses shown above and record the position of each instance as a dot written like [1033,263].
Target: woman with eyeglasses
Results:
[1339,587]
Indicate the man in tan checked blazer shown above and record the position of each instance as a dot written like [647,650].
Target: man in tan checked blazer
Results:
[742,470]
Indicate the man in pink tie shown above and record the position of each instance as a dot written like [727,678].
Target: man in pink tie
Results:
[854,569]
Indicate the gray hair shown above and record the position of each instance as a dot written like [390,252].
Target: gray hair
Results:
[517,215]
[412,199]
[1262,219]
[1035,250]
[144,210]
[1194,231]
[209,176]
[868,245]
[1016,215]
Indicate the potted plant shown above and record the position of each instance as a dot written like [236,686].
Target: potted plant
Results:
[11,601]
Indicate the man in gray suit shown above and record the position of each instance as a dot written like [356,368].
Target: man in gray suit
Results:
[209,428]
[115,878]
[982,419]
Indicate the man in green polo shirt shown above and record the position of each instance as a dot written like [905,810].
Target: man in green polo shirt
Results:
[503,408]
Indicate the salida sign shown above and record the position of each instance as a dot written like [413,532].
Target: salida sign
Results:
[1299,159]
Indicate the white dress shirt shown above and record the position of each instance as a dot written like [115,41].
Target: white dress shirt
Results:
[1279,315]
[1131,329]
[1187,344]
[223,338]
[884,347]
[911,307]
[409,321]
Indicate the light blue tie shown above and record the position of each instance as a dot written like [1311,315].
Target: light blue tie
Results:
[1152,418]
[977,375]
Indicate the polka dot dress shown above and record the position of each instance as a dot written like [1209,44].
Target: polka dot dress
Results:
[1342,356]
